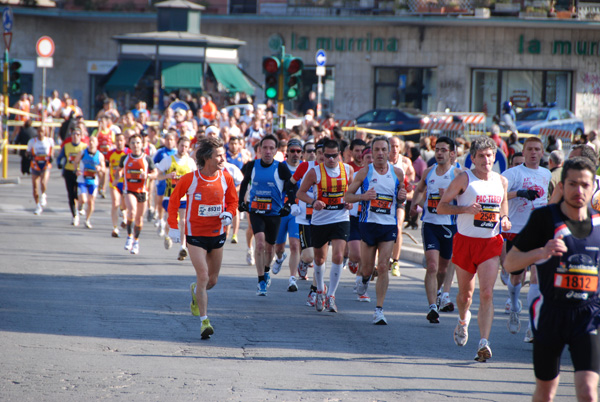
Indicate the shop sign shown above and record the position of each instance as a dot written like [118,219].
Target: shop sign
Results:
[561,47]
[327,43]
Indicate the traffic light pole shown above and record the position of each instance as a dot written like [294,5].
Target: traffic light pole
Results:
[5,117]
[280,97]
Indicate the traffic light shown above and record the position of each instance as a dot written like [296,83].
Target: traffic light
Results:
[271,69]
[292,71]
[14,77]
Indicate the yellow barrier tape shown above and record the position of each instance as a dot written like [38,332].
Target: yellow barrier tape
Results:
[88,123]
[12,146]
[21,112]
[382,132]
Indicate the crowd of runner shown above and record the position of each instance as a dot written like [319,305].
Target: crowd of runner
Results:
[196,173]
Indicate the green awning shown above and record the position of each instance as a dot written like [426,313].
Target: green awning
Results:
[181,75]
[127,74]
[230,76]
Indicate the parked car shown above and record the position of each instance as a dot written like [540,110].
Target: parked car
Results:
[392,120]
[531,120]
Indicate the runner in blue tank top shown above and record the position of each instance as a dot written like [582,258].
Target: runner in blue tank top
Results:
[269,179]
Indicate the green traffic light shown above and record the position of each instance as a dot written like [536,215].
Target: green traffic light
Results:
[271,92]
[292,93]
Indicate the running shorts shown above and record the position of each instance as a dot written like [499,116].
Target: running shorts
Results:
[472,251]
[554,326]
[374,233]
[182,204]
[438,237]
[322,234]
[304,233]
[287,226]
[209,243]
[161,187]
[354,229]
[140,197]
[269,225]
[87,188]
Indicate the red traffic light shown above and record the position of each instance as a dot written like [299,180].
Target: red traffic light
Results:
[270,65]
[294,66]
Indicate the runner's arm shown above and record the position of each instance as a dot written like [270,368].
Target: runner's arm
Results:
[247,170]
[456,187]
[308,181]
[351,195]
[231,197]
[175,199]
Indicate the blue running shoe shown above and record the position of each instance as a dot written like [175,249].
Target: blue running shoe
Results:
[261,288]
[268,278]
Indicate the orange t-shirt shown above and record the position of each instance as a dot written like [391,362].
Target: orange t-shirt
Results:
[207,198]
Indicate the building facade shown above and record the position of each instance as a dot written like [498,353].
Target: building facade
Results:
[434,63]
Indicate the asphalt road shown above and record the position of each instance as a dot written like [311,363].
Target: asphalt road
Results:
[80,319]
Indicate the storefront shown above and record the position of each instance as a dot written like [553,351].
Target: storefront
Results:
[434,64]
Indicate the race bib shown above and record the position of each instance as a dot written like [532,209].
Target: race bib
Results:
[334,201]
[432,203]
[577,279]
[382,204]
[134,175]
[488,217]
[89,173]
[210,210]
[261,205]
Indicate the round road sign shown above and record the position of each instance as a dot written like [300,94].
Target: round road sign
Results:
[45,46]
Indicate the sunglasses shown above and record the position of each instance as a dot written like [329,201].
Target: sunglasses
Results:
[311,151]
[332,156]
[295,151]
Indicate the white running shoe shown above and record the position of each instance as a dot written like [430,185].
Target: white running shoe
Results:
[330,304]
[75,221]
[508,306]
[312,298]
[250,256]
[364,298]
[504,276]
[88,224]
[44,200]
[38,209]
[528,334]
[461,332]
[82,211]
[514,323]
[128,243]
[483,351]
[320,301]
[135,247]
[361,288]
[378,317]
[278,263]
[182,254]
[292,285]
[168,243]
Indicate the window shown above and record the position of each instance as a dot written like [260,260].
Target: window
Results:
[413,88]
[242,7]
[521,87]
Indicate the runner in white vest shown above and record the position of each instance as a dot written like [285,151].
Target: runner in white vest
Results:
[482,208]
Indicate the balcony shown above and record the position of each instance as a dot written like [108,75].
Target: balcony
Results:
[526,9]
